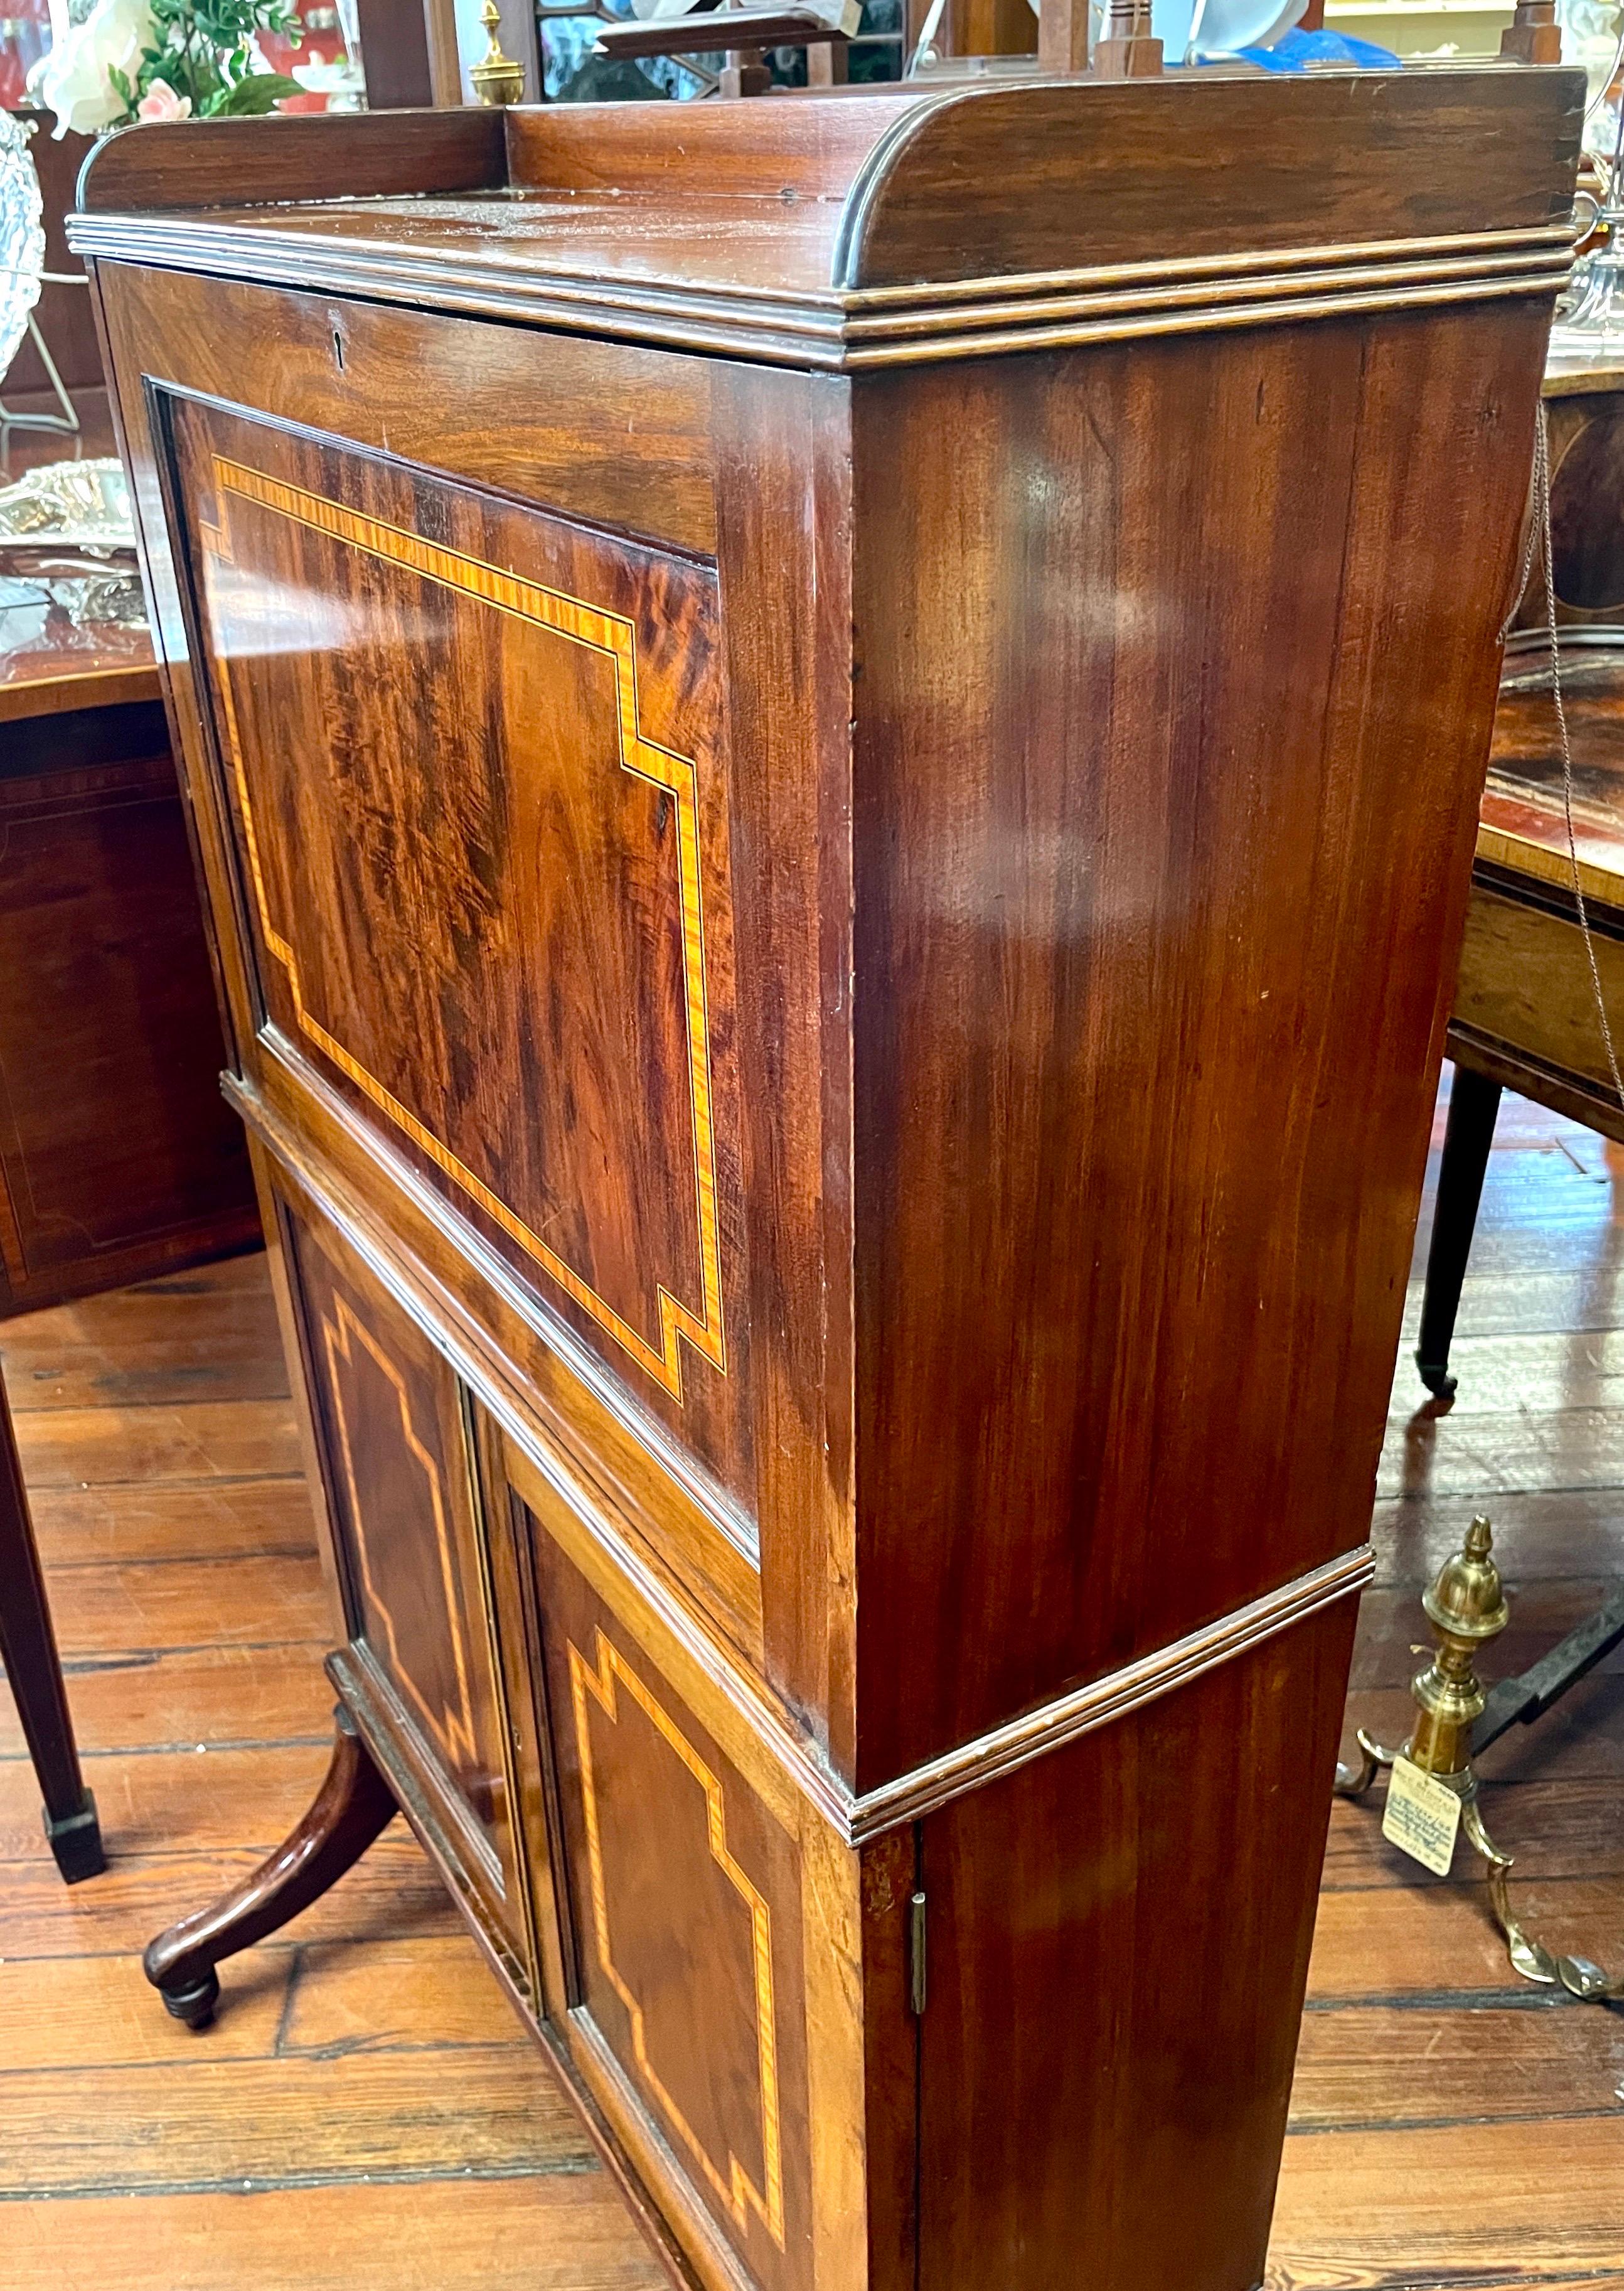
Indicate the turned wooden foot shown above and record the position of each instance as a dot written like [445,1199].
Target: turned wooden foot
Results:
[27,1648]
[352,1805]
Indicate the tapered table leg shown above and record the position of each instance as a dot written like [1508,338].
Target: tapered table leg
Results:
[352,1805]
[1473,1104]
[28,1646]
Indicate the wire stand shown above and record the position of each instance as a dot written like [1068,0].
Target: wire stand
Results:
[65,422]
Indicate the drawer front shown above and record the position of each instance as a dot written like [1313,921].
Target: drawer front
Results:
[390,1423]
[469,756]
[1524,984]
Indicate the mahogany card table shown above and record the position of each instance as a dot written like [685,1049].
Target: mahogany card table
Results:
[835,743]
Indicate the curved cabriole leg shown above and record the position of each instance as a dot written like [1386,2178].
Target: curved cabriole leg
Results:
[352,1805]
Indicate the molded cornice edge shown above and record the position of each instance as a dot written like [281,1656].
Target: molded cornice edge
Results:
[851,331]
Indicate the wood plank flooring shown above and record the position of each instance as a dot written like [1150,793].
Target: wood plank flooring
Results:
[367,2113]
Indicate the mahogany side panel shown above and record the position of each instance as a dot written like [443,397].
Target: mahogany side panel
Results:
[1164,800]
[1117,1948]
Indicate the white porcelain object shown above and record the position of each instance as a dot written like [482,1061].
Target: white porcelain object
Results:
[1169,21]
[1220,27]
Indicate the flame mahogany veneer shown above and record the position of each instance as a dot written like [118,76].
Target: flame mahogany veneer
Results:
[835,744]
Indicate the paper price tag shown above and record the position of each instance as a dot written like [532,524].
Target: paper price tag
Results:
[1422,1817]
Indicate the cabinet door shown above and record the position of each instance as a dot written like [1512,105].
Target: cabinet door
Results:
[389,1418]
[706,1916]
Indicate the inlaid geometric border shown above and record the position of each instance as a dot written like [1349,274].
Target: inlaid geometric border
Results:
[455,1732]
[616,638]
[737,2191]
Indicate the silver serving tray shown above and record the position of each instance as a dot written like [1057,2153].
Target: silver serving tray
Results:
[77,505]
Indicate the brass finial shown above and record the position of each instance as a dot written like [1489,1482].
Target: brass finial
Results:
[1465,1607]
[497,79]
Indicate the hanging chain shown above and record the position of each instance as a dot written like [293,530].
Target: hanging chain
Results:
[1531,532]
[1540,528]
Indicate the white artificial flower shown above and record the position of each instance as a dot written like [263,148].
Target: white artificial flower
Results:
[72,78]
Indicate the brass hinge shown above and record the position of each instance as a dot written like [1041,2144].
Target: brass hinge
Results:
[916,1951]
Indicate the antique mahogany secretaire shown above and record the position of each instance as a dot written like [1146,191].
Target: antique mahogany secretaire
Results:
[835,743]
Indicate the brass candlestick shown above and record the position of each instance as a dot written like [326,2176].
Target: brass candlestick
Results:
[497,79]
[1466,1606]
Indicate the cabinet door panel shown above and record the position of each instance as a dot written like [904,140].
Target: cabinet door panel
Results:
[685,1904]
[389,1418]
[1100,2025]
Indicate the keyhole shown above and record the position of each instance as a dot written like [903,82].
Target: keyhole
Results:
[338,350]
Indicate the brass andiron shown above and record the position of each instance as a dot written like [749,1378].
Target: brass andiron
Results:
[497,79]
[1466,1606]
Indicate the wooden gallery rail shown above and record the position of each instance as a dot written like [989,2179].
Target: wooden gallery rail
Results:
[807,754]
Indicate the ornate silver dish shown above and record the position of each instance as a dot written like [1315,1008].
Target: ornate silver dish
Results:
[69,505]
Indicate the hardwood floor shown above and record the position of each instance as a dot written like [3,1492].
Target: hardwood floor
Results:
[366,2114]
